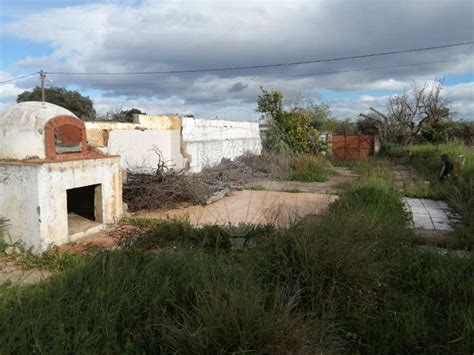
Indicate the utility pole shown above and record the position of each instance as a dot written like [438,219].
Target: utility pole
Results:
[42,77]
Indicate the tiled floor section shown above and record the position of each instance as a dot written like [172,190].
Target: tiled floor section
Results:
[431,214]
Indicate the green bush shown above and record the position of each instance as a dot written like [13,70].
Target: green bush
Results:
[393,150]
[309,167]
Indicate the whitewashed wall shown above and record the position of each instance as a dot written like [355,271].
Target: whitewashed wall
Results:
[184,141]
[207,141]
[137,148]
[136,142]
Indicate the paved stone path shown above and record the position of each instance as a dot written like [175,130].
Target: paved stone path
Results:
[430,214]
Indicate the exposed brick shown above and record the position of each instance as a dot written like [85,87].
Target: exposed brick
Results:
[72,130]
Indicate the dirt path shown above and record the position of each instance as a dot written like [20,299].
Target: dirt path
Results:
[264,202]
[407,180]
[331,187]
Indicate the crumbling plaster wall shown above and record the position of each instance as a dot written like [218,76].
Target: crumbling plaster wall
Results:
[207,141]
[182,141]
[19,202]
[34,197]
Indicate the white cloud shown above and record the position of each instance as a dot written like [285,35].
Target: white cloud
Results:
[167,35]
[461,97]
[8,91]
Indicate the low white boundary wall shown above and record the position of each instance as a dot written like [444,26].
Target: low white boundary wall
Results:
[185,142]
[208,141]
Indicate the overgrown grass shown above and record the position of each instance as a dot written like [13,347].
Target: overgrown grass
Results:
[394,150]
[255,188]
[427,158]
[126,302]
[347,282]
[457,190]
[308,168]
[293,190]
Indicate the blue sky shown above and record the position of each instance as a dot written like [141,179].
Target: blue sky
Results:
[150,35]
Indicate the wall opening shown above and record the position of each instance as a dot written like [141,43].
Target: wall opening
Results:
[65,137]
[84,208]
[68,139]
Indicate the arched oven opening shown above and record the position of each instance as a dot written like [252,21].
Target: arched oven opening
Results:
[65,137]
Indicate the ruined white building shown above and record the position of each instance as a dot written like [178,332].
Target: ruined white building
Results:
[184,142]
[54,188]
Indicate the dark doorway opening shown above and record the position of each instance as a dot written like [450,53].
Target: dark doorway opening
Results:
[81,201]
[84,208]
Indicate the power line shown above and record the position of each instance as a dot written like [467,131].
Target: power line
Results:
[18,78]
[294,75]
[270,65]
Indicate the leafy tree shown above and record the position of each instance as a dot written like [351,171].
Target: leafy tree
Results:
[288,130]
[320,114]
[72,100]
[367,125]
[118,114]
[339,126]
[126,115]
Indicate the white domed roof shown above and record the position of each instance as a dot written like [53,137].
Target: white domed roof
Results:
[31,114]
[22,129]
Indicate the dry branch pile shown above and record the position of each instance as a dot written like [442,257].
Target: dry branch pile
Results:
[164,188]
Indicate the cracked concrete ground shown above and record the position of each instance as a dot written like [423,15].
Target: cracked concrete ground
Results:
[12,273]
[250,207]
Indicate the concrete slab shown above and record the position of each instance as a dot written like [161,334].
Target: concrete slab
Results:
[431,214]
[443,205]
[250,207]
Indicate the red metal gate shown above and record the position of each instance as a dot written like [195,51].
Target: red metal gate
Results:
[352,147]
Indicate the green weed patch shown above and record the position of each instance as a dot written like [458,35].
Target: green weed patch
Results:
[308,168]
